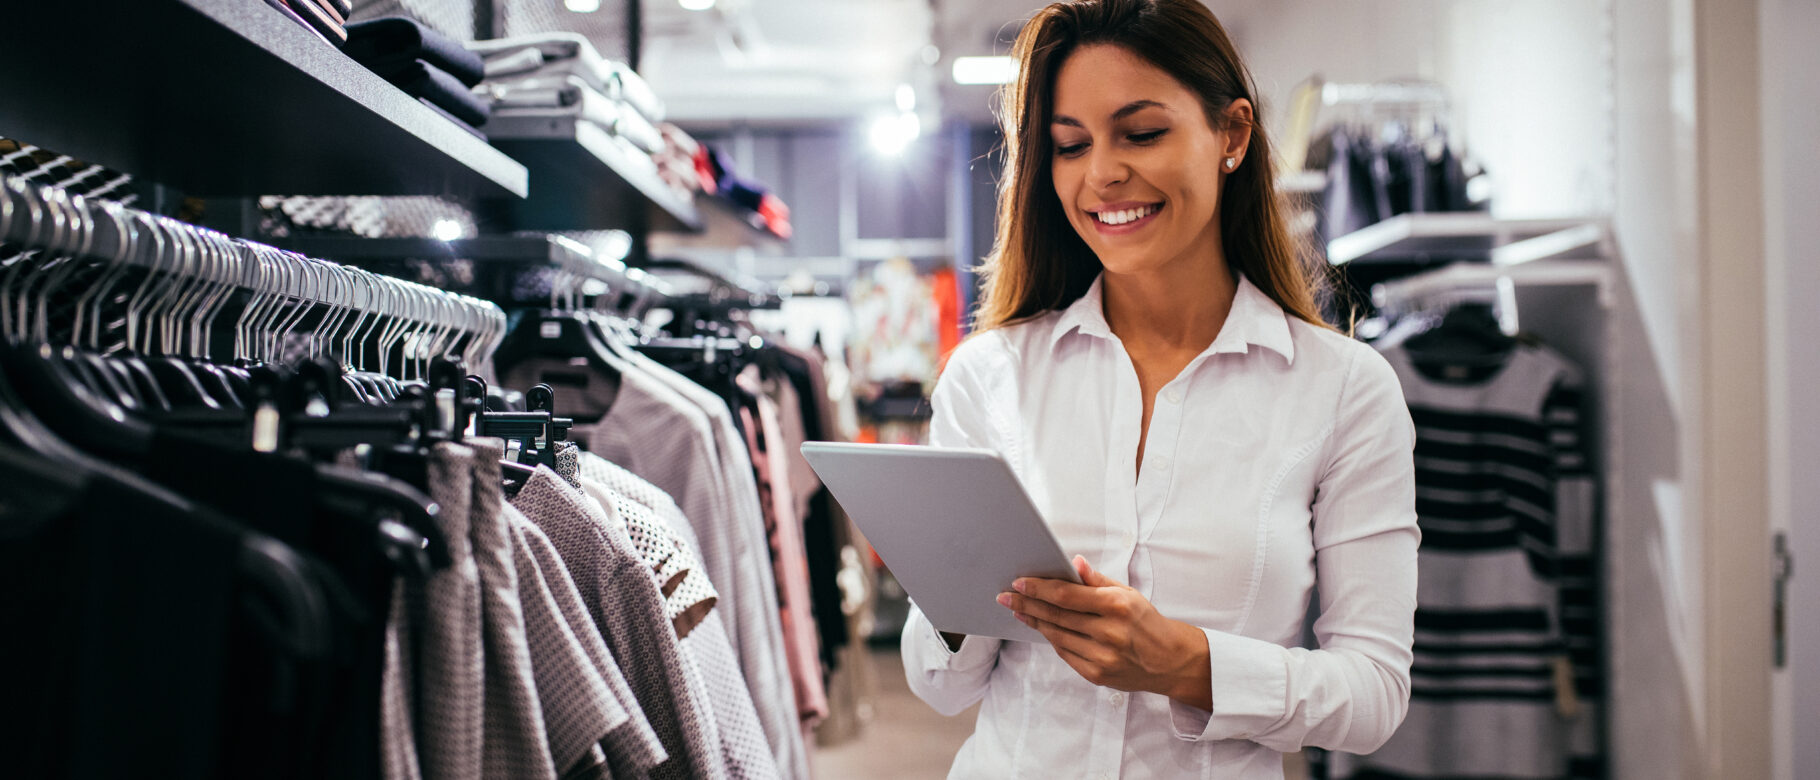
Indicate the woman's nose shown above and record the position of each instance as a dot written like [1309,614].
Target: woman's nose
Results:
[1106,169]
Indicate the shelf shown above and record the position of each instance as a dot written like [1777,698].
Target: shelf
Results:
[227,98]
[1547,273]
[509,249]
[1465,235]
[584,178]
[725,227]
[633,284]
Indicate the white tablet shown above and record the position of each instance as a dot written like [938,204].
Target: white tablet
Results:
[954,526]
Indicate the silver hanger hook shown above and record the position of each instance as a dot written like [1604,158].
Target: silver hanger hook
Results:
[82,241]
[362,301]
[136,304]
[126,240]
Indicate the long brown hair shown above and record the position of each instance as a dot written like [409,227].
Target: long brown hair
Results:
[1039,263]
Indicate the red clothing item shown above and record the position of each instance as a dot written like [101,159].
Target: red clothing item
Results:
[947,293]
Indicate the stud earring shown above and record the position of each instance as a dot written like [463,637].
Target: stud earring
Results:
[1231,163]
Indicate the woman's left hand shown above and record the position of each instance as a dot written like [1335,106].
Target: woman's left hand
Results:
[1112,636]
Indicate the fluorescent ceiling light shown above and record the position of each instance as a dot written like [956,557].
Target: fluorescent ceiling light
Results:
[696,5]
[984,70]
[582,6]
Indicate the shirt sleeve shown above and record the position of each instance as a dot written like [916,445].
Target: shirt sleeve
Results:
[1352,693]
[951,681]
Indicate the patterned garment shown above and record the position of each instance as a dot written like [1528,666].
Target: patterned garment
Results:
[731,536]
[567,653]
[514,746]
[397,745]
[743,742]
[622,597]
[447,615]
[688,596]
[1505,500]
[568,463]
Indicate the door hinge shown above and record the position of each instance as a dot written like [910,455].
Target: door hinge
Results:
[1784,569]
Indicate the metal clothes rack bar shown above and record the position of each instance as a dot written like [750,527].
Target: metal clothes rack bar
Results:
[281,282]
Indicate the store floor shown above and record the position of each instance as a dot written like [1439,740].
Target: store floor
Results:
[903,739]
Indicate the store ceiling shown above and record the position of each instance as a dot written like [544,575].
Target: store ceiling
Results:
[817,61]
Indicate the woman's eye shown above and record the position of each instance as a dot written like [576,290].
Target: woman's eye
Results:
[1070,150]
[1146,137]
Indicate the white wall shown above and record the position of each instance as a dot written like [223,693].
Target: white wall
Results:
[1575,107]
[1791,122]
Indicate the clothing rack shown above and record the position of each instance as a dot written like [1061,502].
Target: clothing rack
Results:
[192,274]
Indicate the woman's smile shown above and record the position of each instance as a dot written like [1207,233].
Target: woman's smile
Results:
[1124,217]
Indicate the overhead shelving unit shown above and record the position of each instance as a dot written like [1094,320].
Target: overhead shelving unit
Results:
[1467,235]
[585,178]
[227,98]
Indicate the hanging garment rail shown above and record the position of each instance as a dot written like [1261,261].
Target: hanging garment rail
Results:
[78,259]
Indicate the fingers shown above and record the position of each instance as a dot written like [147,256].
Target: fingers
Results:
[1080,622]
[1061,593]
[1059,636]
[1086,572]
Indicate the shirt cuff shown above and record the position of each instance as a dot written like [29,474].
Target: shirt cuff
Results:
[975,651]
[1250,690]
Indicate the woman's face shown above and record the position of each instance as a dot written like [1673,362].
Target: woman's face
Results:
[1136,165]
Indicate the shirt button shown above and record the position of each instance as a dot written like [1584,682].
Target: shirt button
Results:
[1160,464]
[1172,395]
[1117,698]
[1128,538]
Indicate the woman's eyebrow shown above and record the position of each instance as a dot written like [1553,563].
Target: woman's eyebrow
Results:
[1127,110]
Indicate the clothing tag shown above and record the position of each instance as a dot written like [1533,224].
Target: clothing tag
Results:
[550,330]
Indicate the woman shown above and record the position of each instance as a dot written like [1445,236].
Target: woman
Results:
[1154,368]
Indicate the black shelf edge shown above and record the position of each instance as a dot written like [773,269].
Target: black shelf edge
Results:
[227,98]
[584,178]
[506,249]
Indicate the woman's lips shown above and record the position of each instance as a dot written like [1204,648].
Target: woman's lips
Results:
[1125,219]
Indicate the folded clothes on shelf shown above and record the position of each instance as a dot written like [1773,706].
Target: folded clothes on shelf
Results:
[567,54]
[390,42]
[570,95]
[420,79]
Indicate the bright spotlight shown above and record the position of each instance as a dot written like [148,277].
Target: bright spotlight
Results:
[984,70]
[696,5]
[891,134]
[582,6]
[446,230]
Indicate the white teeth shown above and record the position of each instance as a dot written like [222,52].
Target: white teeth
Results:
[1126,215]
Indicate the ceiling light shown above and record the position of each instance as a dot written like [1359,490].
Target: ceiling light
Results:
[984,70]
[906,97]
[582,6]
[446,230]
[891,134]
[696,5]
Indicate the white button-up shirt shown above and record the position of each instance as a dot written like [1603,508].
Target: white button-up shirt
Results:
[1281,456]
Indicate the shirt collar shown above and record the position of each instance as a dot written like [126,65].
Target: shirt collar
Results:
[1254,319]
